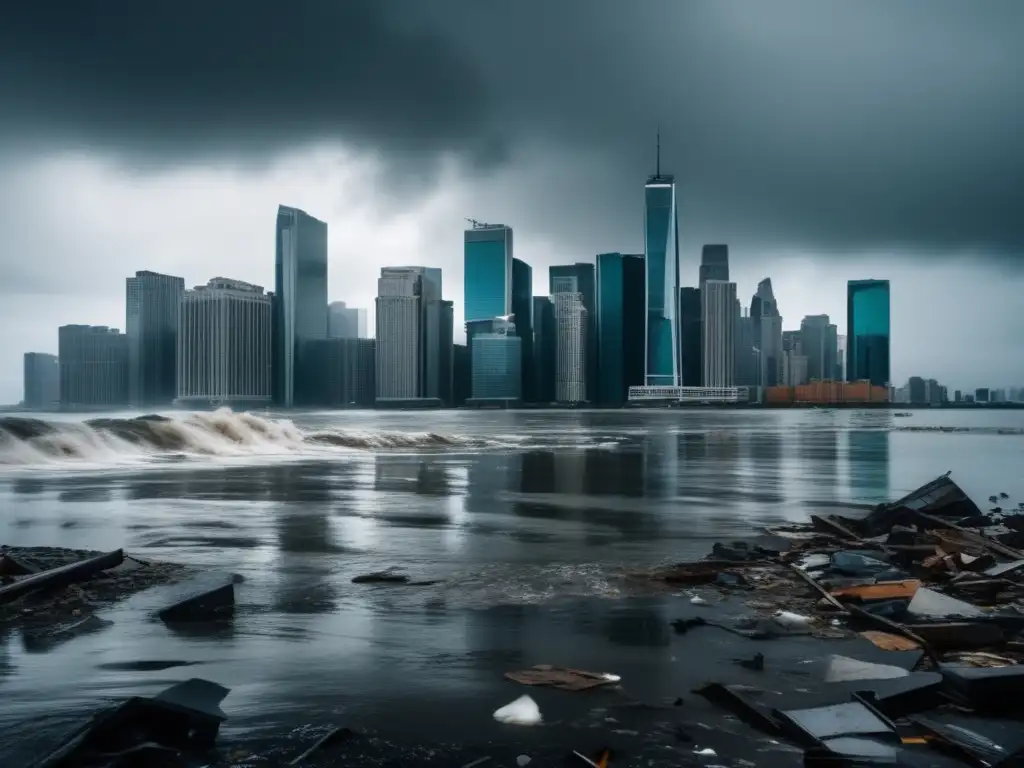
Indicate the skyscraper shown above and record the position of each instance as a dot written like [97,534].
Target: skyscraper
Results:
[522,311]
[488,271]
[714,263]
[767,326]
[399,333]
[544,354]
[300,296]
[42,380]
[718,324]
[570,347]
[438,360]
[867,329]
[346,372]
[345,322]
[580,278]
[691,337]
[620,323]
[152,303]
[819,341]
[224,333]
[93,366]
[661,263]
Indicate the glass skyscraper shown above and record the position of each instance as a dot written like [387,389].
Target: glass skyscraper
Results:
[579,278]
[300,296]
[152,304]
[867,331]
[488,272]
[522,310]
[620,324]
[661,261]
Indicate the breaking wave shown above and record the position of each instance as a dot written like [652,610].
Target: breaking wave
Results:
[28,441]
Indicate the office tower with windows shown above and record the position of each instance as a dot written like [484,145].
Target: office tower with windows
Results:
[570,348]
[93,366]
[661,265]
[345,322]
[462,384]
[619,362]
[399,358]
[438,363]
[224,341]
[867,329]
[300,297]
[767,333]
[544,344]
[152,303]
[581,278]
[497,357]
[718,325]
[691,337]
[42,380]
[714,263]
[345,375]
[488,272]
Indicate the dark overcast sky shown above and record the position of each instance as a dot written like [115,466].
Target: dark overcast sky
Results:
[815,123]
[887,131]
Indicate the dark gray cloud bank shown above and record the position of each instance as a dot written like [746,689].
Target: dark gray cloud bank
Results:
[812,125]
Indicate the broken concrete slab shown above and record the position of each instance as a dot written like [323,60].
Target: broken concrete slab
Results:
[813,726]
[56,578]
[42,640]
[1005,569]
[929,604]
[988,689]
[206,597]
[841,669]
[185,717]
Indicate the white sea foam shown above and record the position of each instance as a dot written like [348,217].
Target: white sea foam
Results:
[221,433]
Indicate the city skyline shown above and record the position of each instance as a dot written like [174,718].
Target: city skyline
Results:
[882,161]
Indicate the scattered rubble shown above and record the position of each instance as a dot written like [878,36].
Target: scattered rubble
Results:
[53,594]
[930,575]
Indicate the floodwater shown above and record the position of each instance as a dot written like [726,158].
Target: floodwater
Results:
[528,518]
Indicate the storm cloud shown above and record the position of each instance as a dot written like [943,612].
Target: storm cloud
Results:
[818,125]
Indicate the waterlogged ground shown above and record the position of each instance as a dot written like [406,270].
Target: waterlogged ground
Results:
[528,518]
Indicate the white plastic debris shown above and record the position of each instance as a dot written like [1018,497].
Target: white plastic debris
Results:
[522,711]
[792,620]
[843,668]
[523,760]
[706,752]
[698,600]
[610,677]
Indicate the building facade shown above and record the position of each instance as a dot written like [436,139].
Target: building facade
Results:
[487,272]
[544,349]
[661,266]
[819,341]
[619,360]
[152,303]
[93,366]
[522,311]
[345,375]
[224,343]
[345,322]
[868,329]
[570,348]
[714,264]
[690,337]
[497,362]
[438,360]
[767,331]
[718,325]
[581,278]
[300,296]
[42,381]
[400,333]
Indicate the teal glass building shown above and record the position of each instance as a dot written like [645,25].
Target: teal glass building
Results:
[488,272]
[867,331]
[620,326]
[661,261]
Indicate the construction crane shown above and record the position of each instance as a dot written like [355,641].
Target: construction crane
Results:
[477,224]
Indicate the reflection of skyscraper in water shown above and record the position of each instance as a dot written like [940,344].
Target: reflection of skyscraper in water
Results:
[661,464]
[819,457]
[570,468]
[614,473]
[867,461]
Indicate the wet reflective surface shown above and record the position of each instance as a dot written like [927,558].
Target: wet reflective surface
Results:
[528,530]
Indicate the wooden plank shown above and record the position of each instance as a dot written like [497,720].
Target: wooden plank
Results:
[985,541]
[882,590]
[818,588]
[62,576]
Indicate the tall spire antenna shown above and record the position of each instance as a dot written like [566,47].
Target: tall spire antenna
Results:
[657,161]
